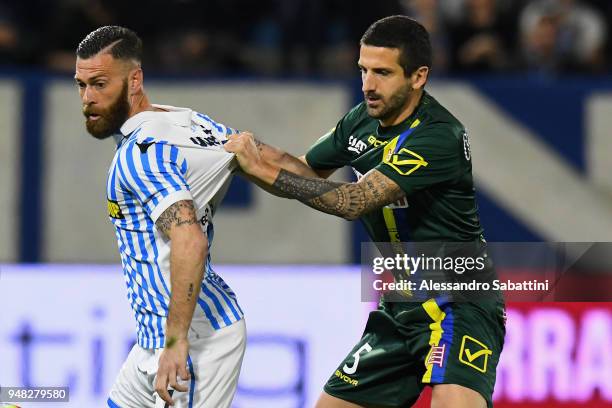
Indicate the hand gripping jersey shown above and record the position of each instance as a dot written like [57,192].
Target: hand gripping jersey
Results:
[163,158]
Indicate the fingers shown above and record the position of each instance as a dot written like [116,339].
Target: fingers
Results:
[184,373]
[165,379]
[241,135]
[237,143]
[161,387]
[174,383]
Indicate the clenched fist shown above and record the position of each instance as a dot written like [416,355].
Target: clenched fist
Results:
[244,146]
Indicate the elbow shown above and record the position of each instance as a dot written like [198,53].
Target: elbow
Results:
[352,216]
[199,244]
[193,243]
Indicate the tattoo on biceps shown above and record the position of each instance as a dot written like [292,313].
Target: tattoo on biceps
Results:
[347,200]
[179,213]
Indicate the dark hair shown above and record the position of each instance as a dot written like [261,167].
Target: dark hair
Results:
[404,33]
[127,44]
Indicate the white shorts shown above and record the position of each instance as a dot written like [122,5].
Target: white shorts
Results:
[214,361]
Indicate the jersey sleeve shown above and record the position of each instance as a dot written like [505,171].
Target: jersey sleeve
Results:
[428,157]
[155,174]
[330,151]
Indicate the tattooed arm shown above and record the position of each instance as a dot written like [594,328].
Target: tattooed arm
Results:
[188,246]
[346,200]
[286,161]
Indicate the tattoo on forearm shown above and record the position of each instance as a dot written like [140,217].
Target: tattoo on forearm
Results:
[347,200]
[260,145]
[190,291]
[179,213]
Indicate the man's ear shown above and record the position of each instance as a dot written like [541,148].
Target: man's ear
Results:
[135,79]
[419,77]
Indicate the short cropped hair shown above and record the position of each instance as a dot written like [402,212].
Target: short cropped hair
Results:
[127,44]
[405,34]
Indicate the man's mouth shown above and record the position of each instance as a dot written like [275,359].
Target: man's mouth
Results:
[372,99]
[93,116]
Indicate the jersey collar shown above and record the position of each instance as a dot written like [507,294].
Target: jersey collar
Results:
[175,115]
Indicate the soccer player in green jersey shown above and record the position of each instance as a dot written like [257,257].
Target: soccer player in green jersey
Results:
[415,183]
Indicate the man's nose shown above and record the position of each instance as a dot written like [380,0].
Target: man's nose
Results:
[88,97]
[367,82]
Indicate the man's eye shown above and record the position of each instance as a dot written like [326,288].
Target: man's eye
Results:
[99,85]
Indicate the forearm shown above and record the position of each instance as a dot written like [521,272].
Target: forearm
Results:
[346,200]
[186,272]
[284,160]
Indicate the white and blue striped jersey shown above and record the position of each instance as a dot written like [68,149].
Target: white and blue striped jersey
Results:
[162,158]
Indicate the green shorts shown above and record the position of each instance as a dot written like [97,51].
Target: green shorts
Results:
[406,346]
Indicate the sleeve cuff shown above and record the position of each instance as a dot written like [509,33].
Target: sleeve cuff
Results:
[168,200]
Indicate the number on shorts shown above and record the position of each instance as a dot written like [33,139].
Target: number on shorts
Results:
[356,355]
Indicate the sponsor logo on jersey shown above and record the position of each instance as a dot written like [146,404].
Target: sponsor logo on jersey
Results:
[204,219]
[436,356]
[346,378]
[205,141]
[401,164]
[356,145]
[114,211]
[372,140]
[466,146]
[474,353]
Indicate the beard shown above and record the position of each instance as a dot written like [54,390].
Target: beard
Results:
[110,119]
[391,106]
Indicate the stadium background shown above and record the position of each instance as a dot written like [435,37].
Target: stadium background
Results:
[536,103]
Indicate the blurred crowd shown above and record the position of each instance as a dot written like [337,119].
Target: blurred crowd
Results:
[314,37]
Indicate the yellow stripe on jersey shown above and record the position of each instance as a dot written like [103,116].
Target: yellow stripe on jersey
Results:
[391,224]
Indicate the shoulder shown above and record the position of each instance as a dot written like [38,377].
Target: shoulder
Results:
[438,125]
[152,142]
[154,131]
[437,113]
[208,123]
[357,114]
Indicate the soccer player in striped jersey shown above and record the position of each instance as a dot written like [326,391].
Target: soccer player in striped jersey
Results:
[167,178]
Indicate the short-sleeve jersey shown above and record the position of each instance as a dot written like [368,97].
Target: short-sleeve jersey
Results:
[427,155]
[162,158]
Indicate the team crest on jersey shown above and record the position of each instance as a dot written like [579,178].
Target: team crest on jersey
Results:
[403,166]
[474,353]
[436,355]
[114,211]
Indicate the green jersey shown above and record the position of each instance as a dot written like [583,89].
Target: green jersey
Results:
[427,155]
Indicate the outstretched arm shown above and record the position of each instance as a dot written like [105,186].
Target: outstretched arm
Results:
[286,161]
[346,200]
